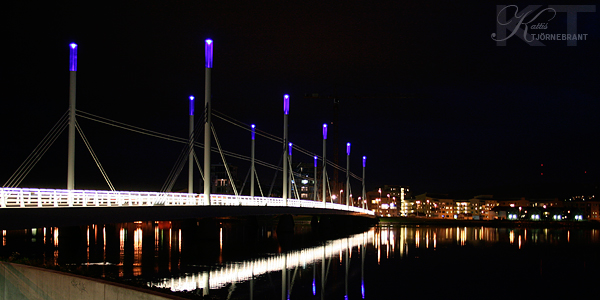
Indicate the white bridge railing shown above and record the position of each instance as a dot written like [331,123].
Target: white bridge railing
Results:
[31,198]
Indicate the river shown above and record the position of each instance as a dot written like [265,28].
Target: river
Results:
[241,259]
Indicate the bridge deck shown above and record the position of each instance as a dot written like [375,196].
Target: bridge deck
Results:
[47,198]
[39,207]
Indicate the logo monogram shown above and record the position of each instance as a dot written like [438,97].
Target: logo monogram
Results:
[520,23]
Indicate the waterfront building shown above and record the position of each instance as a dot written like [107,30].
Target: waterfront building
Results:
[304,180]
[389,200]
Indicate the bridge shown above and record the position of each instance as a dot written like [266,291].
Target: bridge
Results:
[32,205]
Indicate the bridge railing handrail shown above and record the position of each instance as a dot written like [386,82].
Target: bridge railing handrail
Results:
[47,198]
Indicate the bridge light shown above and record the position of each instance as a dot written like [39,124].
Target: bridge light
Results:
[290,144]
[324,131]
[348,148]
[191,105]
[73,57]
[315,157]
[286,104]
[364,161]
[253,130]
[208,53]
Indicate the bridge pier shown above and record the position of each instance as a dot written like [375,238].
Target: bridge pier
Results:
[285,224]
[285,231]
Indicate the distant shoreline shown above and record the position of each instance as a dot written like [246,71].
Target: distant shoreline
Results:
[492,223]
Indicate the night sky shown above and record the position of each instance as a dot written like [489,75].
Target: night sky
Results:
[424,92]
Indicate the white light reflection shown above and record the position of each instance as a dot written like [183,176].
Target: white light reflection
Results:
[137,252]
[387,242]
[417,238]
[221,245]
[393,241]
[104,243]
[457,235]
[55,236]
[242,271]
[402,242]
[88,245]
[122,235]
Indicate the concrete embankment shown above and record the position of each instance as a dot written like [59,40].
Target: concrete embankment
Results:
[19,282]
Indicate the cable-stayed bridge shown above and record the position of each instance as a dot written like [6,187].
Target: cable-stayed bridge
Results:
[12,197]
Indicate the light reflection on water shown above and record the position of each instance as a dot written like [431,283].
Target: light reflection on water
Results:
[224,260]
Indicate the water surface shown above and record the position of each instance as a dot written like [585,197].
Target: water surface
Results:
[241,259]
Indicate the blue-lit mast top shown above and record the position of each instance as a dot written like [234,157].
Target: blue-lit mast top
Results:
[208,53]
[290,150]
[73,57]
[364,161]
[191,105]
[348,148]
[324,131]
[286,104]
[315,162]
[253,130]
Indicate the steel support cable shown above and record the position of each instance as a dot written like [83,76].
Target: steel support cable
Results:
[166,137]
[245,126]
[130,127]
[272,137]
[242,157]
[224,161]
[258,182]
[179,163]
[330,194]
[94,156]
[260,133]
[181,140]
[245,180]
[198,127]
[175,171]
[293,180]
[275,176]
[39,151]
[198,165]
[35,156]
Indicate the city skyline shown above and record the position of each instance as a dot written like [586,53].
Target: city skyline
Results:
[432,101]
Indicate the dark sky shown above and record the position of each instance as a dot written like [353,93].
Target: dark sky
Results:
[424,92]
